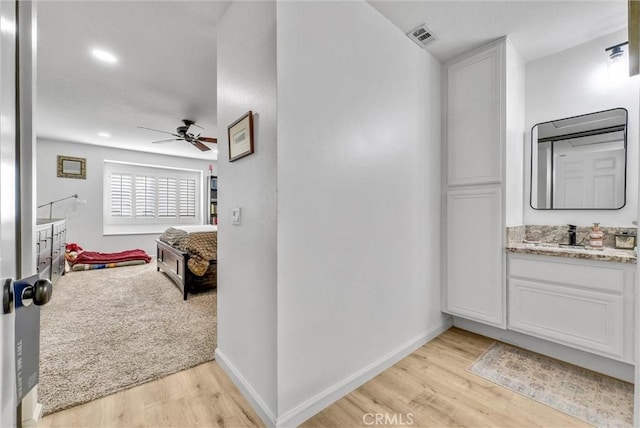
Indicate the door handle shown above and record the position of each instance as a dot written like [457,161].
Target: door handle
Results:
[40,293]
[7,296]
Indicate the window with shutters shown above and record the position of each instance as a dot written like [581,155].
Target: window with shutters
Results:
[147,199]
[167,204]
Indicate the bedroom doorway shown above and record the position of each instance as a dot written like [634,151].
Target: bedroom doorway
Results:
[142,327]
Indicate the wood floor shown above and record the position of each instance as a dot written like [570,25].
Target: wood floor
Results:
[429,388]
[433,387]
[199,397]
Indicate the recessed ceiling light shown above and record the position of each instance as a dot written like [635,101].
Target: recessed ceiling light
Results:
[104,134]
[104,56]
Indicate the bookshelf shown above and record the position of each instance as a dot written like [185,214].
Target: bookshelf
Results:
[213,200]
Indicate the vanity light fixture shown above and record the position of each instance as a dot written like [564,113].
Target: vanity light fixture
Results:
[104,134]
[7,26]
[104,56]
[618,61]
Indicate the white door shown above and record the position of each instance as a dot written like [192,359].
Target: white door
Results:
[593,179]
[9,246]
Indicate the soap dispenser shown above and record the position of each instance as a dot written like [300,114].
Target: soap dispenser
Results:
[596,236]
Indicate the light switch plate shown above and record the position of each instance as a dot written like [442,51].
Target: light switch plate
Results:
[235,213]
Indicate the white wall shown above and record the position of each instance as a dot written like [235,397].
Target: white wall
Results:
[571,83]
[358,196]
[85,228]
[247,252]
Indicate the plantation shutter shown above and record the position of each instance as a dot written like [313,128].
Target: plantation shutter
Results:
[167,201]
[187,197]
[120,195]
[145,197]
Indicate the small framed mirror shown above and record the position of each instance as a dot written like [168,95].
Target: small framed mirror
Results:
[72,167]
[580,162]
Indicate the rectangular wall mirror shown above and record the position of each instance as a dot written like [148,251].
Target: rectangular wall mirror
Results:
[580,163]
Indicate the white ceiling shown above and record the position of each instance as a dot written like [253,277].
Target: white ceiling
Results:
[166,72]
[537,28]
[167,57]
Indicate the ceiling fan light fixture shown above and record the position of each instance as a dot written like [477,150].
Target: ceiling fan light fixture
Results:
[104,56]
[189,132]
[194,130]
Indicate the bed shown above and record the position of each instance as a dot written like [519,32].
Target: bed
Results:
[188,256]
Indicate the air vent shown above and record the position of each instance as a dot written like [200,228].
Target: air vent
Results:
[422,35]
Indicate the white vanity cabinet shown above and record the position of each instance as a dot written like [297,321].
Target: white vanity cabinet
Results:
[583,304]
[483,159]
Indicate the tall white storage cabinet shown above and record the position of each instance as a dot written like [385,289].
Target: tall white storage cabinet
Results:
[484,105]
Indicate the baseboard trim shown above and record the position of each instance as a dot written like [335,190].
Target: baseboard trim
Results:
[315,404]
[37,414]
[32,421]
[247,390]
[597,363]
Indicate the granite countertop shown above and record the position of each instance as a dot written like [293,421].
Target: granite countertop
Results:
[606,254]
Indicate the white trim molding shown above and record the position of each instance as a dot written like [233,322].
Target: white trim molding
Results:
[246,389]
[314,405]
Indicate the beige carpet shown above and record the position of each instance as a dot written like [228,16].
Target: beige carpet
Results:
[110,329]
[589,396]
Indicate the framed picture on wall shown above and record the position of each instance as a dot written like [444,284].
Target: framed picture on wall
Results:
[241,137]
[70,167]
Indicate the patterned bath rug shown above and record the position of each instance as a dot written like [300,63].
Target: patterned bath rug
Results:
[592,397]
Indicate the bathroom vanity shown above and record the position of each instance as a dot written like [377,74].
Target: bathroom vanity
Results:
[571,303]
[585,303]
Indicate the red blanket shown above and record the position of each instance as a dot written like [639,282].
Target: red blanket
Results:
[92,257]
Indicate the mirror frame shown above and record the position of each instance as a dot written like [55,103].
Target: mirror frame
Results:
[626,156]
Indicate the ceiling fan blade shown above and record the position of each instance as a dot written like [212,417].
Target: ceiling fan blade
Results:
[208,139]
[199,145]
[157,130]
[167,141]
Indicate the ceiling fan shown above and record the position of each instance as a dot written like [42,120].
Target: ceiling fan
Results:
[189,132]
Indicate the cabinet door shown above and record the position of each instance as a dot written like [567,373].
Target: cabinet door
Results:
[584,319]
[475,118]
[475,286]
[578,303]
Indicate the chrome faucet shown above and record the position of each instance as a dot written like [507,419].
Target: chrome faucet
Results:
[572,234]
